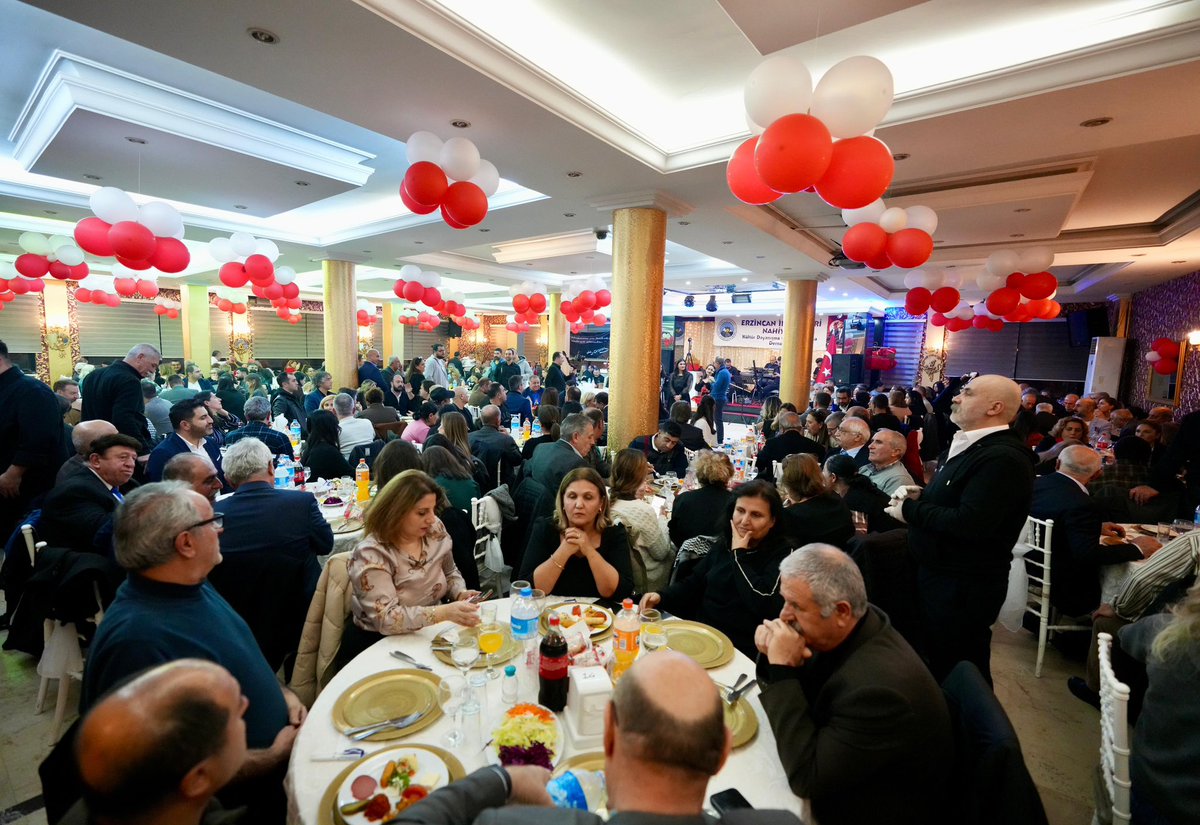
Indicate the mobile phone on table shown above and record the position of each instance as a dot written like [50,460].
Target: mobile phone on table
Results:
[730,800]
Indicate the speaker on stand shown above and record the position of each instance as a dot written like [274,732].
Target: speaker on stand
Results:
[847,370]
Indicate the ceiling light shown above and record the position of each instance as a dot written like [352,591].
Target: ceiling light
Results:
[832,288]
[787,269]
[366,252]
[92,177]
[49,211]
[744,280]
[461,124]
[687,283]
[418,243]
[726,243]
[1092,123]
[845,294]
[760,257]
[263,36]
[485,229]
[901,156]
[1179,262]
[1137,254]
[137,140]
[573,272]
[685,223]
[574,174]
[240,206]
[302,183]
[1017,235]
[568,214]
[1023,209]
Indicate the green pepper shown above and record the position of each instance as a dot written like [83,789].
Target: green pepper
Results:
[355,807]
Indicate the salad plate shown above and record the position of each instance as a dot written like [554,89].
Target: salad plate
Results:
[529,734]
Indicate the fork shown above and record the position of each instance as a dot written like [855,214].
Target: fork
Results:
[375,727]
[404,657]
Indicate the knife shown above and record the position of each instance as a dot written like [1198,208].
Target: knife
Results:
[364,731]
[737,694]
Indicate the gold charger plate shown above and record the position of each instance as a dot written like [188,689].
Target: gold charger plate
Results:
[708,646]
[341,526]
[593,761]
[742,721]
[597,635]
[327,812]
[508,651]
[388,695]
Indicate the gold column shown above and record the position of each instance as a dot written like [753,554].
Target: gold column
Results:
[393,331]
[639,248]
[799,315]
[57,332]
[341,328]
[1124,316]
[558,337]
[197,338]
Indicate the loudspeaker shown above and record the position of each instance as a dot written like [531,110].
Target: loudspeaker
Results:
[847,369]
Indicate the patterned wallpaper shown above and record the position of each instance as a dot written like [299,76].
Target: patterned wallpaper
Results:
[1168,310]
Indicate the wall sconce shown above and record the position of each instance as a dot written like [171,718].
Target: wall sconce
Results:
[364,339]
[58,336]
[1193,338]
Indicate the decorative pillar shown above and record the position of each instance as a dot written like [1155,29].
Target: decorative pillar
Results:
[639,248]
[933,355]
[393,332]
[57,333]
[799,315]
[197,339]
[341,327]
[1124,316]
[558,336]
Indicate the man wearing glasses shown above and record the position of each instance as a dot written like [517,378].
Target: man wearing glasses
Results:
[167,537]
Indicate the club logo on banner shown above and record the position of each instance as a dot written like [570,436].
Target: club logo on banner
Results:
[763,333]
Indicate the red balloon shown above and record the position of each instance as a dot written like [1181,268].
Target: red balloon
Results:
[1038,309]
[426,183]
[1016,281]
[916,302]
[134,263]
[59,270]
[793,153]
[566,307]
[125,286]
[293,319]
[1166,347]
[1018,316]
[585,300]
[291,290]
[282,312]
[879,262]
[37,285]
[743,179]
[273,291]
[257,291]
[538,302]
[130,239]
[19,285]
[599,320]
[431,296]
[112,300]
[362,315]
[148,289]
[859,172]
[981,322]
[938,319]
[79,272]
[32,266]
[159,309]
[294,303]
[603,298]
[413,206]
[864,242]
[239,309]
[413,291]
[99,297]
[233,275]
[1166,366]
[172,314]
[225,305]
[83,295]
[465,203]
[587,315]
[945,299]
[92,236]
[511,326]
[397,288]
[1039,285]
[909,247]
[260,269]
[572,316]
[957,324]
[450,220]
[170,255]
[520,303]
[1003,301]
[3,285]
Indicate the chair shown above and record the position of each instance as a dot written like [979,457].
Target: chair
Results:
[323,626]
[386,432]
[777,470]
[271,592]
[1036,543]
[1114,733]
[366,451]
[890,577]
[690,455]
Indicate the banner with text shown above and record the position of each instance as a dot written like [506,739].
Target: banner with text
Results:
[762,332]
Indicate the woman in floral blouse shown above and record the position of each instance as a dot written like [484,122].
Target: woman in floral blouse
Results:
[402,572]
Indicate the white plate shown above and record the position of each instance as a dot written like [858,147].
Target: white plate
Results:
[431,772]
[557,746]
[565,610]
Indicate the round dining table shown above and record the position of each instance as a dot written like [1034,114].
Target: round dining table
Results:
[318,754]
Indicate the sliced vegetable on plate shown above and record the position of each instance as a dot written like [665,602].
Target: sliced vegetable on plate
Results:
[529,735]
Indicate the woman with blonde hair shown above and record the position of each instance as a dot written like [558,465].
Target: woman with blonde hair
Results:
[650,550]
[327,403]
[579,551]
[403,569]
[701,512]
[812,511]
[766,418]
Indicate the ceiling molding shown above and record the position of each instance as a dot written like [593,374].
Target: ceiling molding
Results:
[550,246]
[478,266]
[952,195]
[661,201]
[1098,274]
[779,225]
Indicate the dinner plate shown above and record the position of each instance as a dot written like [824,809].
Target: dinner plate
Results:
[342,526]
[508,651]
[493,747]
[328,811]
[592,761]
[742,721]
[389,695]
[708,646]
[565,608]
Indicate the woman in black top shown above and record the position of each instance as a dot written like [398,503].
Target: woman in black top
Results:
[882,417]
[322,455]
[548,417]
[703,511]
[678,386]
[859,493]
[812,511]
[233,400]
[579,552]
[768,414]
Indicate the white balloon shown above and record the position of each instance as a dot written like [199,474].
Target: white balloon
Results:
[7,270]
[267,247]
[243,244]
[980,309]
[409,272]
[965,311]
[111,205]
[923,218]
[952,279]
[1152,356]
[1002,262]
[284,275]
[487,178]
[935,278]
[221,250]
[56,241]
[853,96]
[754,128]
[34,243]
[780,85]
[160,218]
[69,254]
[1035,259]
[293,311]
[871,213]
[893,220]
[914,279]
[423,146]
[459,159]
[988,282]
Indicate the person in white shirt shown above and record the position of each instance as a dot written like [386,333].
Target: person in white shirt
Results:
[353,431]
[885,468]
[435,367]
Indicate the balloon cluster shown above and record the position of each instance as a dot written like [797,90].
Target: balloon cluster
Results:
[162,306]
[448,175]
[814,140]
[247,259]
[13,283]
[420,287]
[528,304]
[428,321]
[57,256]
[100,291]
[881,237]
[231,300]
[366,315]
[1163,356]
[581,302]
[139,237]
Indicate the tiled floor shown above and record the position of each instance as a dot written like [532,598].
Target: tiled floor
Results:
[1059,734]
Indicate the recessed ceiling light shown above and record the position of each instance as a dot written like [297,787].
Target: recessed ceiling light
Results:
[267,38]
[745,279]
[1092,123]
[366,252]
[459,123]
[574,174]
[302,183]
[568,214]
[760,257]
[49,211]
[951,266]
[832,288]
[1023,209]
[137,140]
[787,269]
[901,156]
[484,229]
[240,206]
[727,243]
[528,263]
[418,243]
[92,177]
[1017,235]
[573,272]
[845,294]
[685,223]
[687,283]
[1137,254]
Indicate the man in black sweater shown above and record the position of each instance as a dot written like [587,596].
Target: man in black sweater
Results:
[114,394]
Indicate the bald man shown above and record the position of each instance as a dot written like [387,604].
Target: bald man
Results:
[962,528]
[82,436]
[661,750]
[158,748]
[196,471]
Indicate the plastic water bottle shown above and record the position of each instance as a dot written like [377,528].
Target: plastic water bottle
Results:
[536,429]
[281,474]
[508,687]
[294,432]
[514,424]
[627,630]
[523,620]
[362,479]
[577,788]
[1196,519]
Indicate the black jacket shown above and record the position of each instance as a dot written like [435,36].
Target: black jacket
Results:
[551,463]
[785,444]
[824,518]
[114,394]
[499,455]
[700,512]
[31,432]
[291,408]
[74,512]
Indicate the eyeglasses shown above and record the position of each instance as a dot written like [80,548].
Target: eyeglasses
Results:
[215,521]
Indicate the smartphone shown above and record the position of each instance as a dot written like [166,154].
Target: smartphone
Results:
[730,800]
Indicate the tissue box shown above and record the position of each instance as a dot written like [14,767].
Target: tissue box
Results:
[588,694]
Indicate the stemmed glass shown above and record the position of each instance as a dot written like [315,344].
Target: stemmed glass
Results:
[465,652]
[654,635]
[491,637]
[452,692]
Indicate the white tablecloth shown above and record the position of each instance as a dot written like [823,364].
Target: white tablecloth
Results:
[754,769]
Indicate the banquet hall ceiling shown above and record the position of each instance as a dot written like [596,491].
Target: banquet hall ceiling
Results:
[636,98]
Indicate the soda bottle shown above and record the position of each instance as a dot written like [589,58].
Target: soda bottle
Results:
[362,478]
[627,628]
[577,788]
[552,668]
[523,619]
[300,477]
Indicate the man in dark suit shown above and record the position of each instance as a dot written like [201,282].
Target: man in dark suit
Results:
[193,432]
[82,436]
[852,436]
[1076,550]
[963,527]
[80,508]
[296,527]
[661,749]
[789,441]
[369,370]
[551,462]
[516,403]
[496,449]
[861,726]
[114,394]
[289,401]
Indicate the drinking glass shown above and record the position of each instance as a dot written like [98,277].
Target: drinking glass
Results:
[452,691]
[654,635]
[465,652]
[491,637]
[518,586]
[1183,526]
[1165,531]
[539,600]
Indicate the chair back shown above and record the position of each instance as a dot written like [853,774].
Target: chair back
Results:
[271,591]
[690,455]
[386,432]
[1114,732]
[689,555]
[777,470]
[890,576]
[368,452]
[1036,541]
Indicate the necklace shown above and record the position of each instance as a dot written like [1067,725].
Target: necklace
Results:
[749,583]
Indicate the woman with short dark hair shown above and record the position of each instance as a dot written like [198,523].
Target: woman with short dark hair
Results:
[812,511]
[322,453]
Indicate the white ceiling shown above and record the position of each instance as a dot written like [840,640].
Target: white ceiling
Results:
[638,98]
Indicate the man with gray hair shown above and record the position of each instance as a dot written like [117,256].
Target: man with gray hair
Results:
[790,440]
[114,394]
[168,539]
[551,462]
[852,436]
[258,417]
[495,448]
[885,468]
[862,729]
[353,432]
[322,383]
[196,471]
